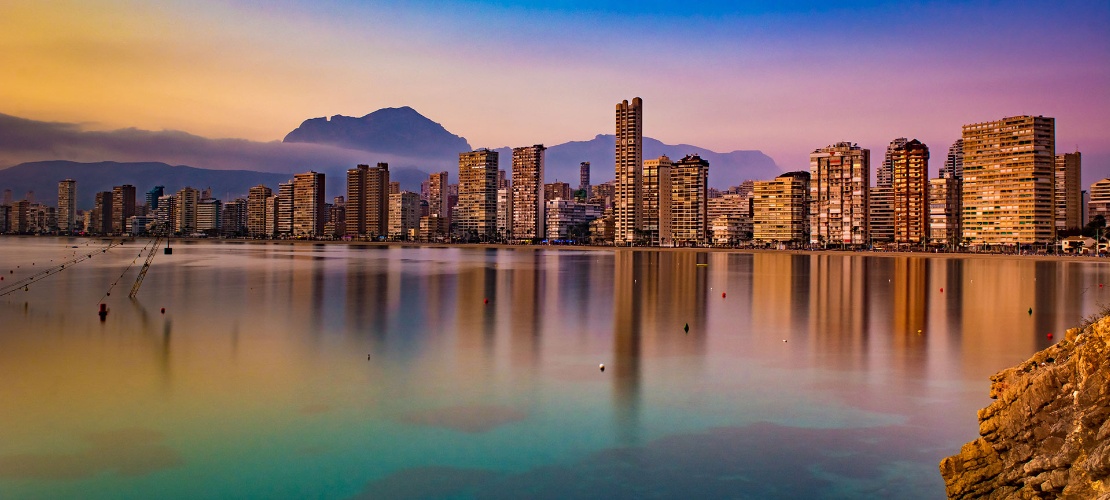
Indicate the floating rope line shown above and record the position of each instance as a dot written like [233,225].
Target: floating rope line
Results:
[128,268]
[22,284]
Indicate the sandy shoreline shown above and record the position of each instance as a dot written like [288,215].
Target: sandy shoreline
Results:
[602,248]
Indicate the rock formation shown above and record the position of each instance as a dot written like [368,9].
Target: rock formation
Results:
[1047,434]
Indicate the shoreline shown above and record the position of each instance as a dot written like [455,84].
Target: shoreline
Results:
[606,248]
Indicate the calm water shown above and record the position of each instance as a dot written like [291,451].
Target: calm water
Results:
[334,371]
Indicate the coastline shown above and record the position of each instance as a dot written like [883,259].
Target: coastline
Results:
[607,248]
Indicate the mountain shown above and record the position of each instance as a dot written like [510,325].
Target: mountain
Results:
[725,169]
[42,177]
[399,131]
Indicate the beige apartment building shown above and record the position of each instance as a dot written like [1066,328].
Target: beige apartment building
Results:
[655,208]
[477,209]
[1068,194]
[308,204]
[840,177]
[67,206]
[1008,180]
[257,217]
[527,198]
[367,202]
[404,215]
[690,201]
[910,192]
[780,208]
[627,218]
[944,211]
[1099,203]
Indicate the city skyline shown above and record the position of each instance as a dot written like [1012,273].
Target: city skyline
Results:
[756,89]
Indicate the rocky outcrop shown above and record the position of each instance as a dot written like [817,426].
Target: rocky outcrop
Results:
[1047,434]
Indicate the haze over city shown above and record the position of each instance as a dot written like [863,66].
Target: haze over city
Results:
[783,79]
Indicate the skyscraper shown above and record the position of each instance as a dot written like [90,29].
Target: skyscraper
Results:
[153,196]
[910,193]
[477,212]
[283,209]
[67,206]
[1008,180]
[838,193]
[123,207]
[368,200]
[655,207]
[1067,195]
[186,214]
[584,177]
[944,211]
[528,193]
[954,162]
[1099,203]
[404,215]
[437,194]
[884,176]
[102,213]
[629,162]
[308,204]
[690,201]
[256,211]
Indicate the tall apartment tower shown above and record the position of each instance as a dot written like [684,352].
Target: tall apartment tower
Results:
[308,204]
[1067,196]
[153,196]
[780,209]
[123,207]
[884,176]
[404,215]
[655,207]
[477,211]
[954,162]
[437,194]
[67,206]
[102,213]
[944,211]
[690,201]
[584,177]
[629,162]
[528,221]
[368,190]
[283,209]
[1099,200]
[185,214]
[838,192]
[1008,180]
[910,193]
[256,211]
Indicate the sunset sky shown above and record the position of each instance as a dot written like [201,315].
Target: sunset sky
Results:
[783,78]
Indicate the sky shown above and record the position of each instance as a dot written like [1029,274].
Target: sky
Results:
[781,77]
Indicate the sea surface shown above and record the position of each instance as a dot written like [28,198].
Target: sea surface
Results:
[346,371]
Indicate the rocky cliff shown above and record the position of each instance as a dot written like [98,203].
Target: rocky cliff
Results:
[1047,434]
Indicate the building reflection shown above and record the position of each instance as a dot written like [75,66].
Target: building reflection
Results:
[839,308]
[627,325]
[527,309]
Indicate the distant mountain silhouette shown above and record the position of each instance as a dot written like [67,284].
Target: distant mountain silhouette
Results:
[399,131]
[725,169]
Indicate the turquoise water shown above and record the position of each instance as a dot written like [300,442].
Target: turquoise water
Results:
[334,371]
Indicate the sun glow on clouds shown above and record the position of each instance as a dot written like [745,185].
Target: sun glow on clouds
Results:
[733,76]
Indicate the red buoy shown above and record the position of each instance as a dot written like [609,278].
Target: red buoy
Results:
[486,301]
[163,310]
[941,289]
[103,312]
[722,295]
[1049,335]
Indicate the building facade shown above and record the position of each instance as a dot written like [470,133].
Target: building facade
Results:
[123,207]
[1068,191]
[944,212]
[257,218]
[838,192]
[477,210]
[67,206]
[910,192]
[690,201]
[780,209]
[655,207]
[629,162]
[1099,200]
[308,204]
[185,213]
[404,215]
[527,220]
[1008,180]
[367,200]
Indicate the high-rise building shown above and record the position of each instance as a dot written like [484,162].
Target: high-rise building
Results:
[437,194]
[477,211]
[153,196]
[209,216]
[67,206]
[553,190]
[603,194]
[954,162]
[944,211]
[283,209]
[584,177]
[780,208]
[257,220]
[404,215]
[308,204]
[1067,194]
[690,201]
[368,200]
[187,200]
[629,162]
[123,207]
[880,213]
[102,213]
[570,219]
[1099,204]
[233,218]
[504,212]
[884,176]
[655,206]
[838,193]
[528,193]
[1008,180]
[910,194]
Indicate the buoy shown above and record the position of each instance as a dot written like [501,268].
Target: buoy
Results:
[163,310]
[1049,335]
[687,328]
[1030,311]
[602,366]
[722,295]
[367,357]
[784,341]
[942,289]
[486,301]
[103,312]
